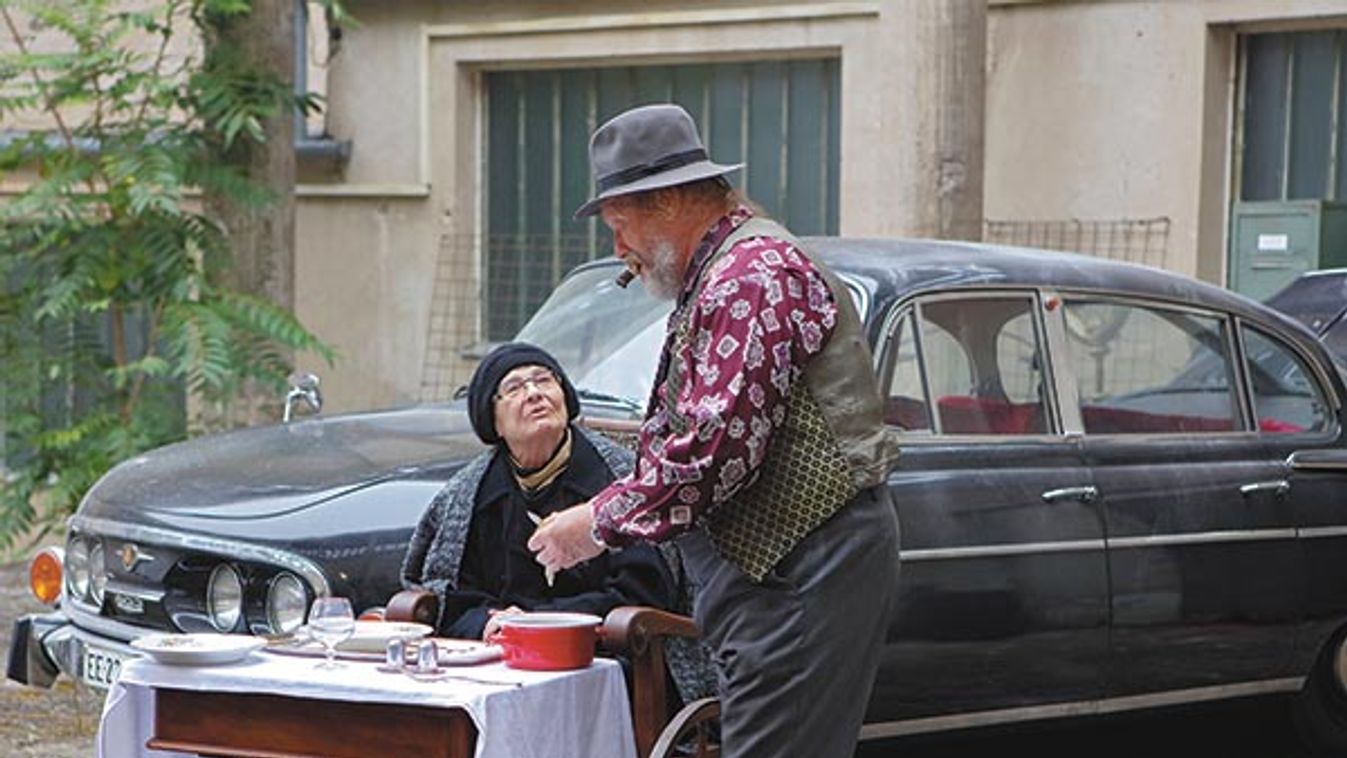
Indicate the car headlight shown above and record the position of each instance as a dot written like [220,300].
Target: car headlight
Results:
[98,574]
[224,597]
[77,570]
[285,603]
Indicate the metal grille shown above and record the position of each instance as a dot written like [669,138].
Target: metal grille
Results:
[1144,241]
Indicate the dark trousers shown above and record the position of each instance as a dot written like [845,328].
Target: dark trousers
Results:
[796,654]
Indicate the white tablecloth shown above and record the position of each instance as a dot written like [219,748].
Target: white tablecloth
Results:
[554,715]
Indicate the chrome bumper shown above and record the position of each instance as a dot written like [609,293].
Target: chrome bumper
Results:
[44,646]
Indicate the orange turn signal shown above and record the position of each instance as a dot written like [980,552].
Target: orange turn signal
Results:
[44,575]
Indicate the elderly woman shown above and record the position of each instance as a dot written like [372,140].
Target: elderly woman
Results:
[470,547]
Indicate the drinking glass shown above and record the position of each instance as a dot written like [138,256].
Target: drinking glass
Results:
[331,621]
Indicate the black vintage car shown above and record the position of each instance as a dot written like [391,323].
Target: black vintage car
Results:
[1119,488]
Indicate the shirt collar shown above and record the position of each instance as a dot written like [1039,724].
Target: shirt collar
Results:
[710,242]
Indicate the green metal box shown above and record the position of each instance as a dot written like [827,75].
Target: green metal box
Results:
[1273,242]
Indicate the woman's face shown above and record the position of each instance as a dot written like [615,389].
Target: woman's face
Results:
[530,408]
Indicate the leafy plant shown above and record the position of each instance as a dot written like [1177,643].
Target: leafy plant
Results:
[113,319]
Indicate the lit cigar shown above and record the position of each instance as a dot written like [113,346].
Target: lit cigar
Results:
[624,278]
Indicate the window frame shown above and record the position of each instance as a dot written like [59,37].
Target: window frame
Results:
[1071,406]
[914,305]
[1316,373]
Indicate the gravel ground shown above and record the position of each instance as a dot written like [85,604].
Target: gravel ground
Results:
[57,723]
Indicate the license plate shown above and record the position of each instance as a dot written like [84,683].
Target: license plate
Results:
[100,667]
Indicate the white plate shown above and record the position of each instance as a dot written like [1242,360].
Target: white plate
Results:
[373,636]
[197,649]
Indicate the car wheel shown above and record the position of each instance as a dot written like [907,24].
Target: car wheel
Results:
[1320,709]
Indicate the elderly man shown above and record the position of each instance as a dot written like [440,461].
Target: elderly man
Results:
[763,453]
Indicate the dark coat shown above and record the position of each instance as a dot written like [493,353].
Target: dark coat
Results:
[435,555]
[482,563]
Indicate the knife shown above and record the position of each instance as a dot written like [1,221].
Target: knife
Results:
[548,573]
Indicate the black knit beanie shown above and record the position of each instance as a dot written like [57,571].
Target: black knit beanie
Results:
[493,368]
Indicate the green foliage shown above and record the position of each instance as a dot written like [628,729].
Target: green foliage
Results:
[109,324]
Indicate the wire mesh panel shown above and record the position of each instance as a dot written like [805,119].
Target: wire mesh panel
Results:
[1144,241]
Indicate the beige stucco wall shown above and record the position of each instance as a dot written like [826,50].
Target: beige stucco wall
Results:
[1120,108]
[405,88]
[1099,109]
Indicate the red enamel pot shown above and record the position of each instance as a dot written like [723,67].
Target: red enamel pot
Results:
[548,641]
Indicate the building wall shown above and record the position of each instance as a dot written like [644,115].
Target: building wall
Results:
[1098,109]
[1120,108]
[405,87]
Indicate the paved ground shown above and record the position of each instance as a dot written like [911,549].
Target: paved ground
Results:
[56,723]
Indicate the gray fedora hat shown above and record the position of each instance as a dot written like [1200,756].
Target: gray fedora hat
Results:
[646,148]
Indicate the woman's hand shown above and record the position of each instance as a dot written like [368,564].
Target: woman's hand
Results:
[493,622]
[565,538]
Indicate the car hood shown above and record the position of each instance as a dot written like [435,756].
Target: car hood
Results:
[278,470]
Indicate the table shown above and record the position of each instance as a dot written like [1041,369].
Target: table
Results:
[281,705]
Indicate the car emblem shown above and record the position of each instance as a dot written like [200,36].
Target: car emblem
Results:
[131,555]
[128,604]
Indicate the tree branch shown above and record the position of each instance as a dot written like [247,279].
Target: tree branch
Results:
[138,383]
[47,105]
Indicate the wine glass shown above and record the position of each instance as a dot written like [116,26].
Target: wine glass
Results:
[331,621]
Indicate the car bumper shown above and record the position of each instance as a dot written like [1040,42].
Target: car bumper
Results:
[44,646]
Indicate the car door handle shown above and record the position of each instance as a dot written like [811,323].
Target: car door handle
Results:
[1086,494]
[1278,487]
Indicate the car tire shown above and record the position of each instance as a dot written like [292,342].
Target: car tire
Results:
[1319,710]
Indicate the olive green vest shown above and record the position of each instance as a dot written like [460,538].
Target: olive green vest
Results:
[831,445]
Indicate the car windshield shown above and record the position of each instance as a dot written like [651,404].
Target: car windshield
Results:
[606,337]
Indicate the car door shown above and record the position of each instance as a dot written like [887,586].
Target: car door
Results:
[1002,600]
[1202,553]
[1296,403]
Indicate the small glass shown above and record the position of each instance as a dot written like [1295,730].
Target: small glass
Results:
[427,657]
[331,621]
[395,654]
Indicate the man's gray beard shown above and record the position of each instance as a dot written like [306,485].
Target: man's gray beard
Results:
[663,280]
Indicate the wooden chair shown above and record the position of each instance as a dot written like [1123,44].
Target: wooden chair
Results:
[637,633]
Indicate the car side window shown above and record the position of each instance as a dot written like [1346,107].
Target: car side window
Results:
[1285,397]
[976,361]
[1150,370]
[905,400]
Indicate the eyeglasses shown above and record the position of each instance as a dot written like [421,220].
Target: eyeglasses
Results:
[513,388]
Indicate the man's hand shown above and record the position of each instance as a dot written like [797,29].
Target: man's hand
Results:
[565,538]
[493,622]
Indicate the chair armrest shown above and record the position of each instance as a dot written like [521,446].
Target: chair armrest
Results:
[631,628]
[420,606]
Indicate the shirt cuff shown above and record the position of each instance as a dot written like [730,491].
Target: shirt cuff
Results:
[605,531]
[597,538]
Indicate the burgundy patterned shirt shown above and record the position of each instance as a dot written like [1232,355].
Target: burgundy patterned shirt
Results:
[762,313]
